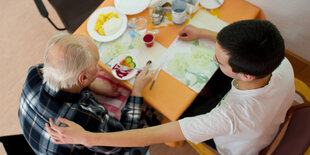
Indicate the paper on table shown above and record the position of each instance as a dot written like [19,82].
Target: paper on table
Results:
[205,20]
[191,62]
[133,45]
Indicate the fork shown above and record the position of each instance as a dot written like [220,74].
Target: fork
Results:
[123,68]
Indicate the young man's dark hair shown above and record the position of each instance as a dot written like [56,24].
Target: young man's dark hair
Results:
[255,47]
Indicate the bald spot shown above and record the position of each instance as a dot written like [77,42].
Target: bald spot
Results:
[57,53]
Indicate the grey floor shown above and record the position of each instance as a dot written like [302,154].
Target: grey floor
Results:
[24,34]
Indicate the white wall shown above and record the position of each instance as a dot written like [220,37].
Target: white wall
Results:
[292,17]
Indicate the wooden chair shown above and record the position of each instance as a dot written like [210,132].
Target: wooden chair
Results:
[293,136]
[71,12]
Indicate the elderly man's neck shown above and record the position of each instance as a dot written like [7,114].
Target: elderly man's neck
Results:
[73,90]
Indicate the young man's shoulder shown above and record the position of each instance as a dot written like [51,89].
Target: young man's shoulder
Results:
[285,68]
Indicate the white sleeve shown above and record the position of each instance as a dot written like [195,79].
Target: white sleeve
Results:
[218,122]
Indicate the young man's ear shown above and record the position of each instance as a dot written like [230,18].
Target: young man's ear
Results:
[247,77]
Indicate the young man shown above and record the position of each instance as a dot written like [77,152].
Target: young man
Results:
[59,89]
[246,119]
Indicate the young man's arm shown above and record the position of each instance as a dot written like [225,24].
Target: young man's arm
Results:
[169,132]
[75,134]
[191,33]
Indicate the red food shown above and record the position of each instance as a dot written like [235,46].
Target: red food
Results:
[120,73]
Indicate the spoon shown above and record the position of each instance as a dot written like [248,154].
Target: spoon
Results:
[153,32]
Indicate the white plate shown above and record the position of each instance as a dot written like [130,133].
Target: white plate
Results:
[117,60]
[131,7]
[211,4]
[93,19]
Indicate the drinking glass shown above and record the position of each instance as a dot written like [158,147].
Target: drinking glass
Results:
[140,25]
[149,40]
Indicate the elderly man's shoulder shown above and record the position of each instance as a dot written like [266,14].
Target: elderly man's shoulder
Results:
[34,76]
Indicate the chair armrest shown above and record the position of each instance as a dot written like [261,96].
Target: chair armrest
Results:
[302,89]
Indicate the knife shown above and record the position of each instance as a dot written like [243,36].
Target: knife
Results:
[162,62]
[155,78]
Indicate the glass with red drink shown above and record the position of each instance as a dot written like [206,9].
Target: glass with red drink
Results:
[149,40]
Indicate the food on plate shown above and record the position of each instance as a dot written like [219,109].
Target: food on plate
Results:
[128,61]
[112,26]
[108,24]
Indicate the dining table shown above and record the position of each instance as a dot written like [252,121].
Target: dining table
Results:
[170,96]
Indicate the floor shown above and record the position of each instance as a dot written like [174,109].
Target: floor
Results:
[24,36]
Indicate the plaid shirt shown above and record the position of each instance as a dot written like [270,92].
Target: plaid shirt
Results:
[38,103]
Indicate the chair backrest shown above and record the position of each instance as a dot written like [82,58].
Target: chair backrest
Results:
[302,89]
[71,12]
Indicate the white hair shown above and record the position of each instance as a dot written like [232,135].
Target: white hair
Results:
[65,74]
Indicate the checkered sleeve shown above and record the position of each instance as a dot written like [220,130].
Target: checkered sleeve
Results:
[131,113]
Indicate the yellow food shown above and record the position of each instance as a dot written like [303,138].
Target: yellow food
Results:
[102,19]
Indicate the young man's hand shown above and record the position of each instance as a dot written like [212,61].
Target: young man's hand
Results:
[190,33]
[141,81]
[72,134]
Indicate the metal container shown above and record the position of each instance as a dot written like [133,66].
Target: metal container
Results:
[158,15]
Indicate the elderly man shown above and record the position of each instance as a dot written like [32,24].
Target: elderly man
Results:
[58,88]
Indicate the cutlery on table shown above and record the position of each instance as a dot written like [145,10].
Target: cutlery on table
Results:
[123,68]
[162,62]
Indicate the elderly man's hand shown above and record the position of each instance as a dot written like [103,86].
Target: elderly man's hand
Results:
[142,80]
[72,134]
[190,33]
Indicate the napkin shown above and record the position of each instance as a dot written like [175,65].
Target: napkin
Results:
[114,105]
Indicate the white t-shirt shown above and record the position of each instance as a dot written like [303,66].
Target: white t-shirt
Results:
[245,121]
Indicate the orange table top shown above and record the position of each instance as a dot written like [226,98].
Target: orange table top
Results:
[171,97]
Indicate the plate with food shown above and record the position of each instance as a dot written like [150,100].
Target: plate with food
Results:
[123,67]
[131,7]
[106,24]
[211,4]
